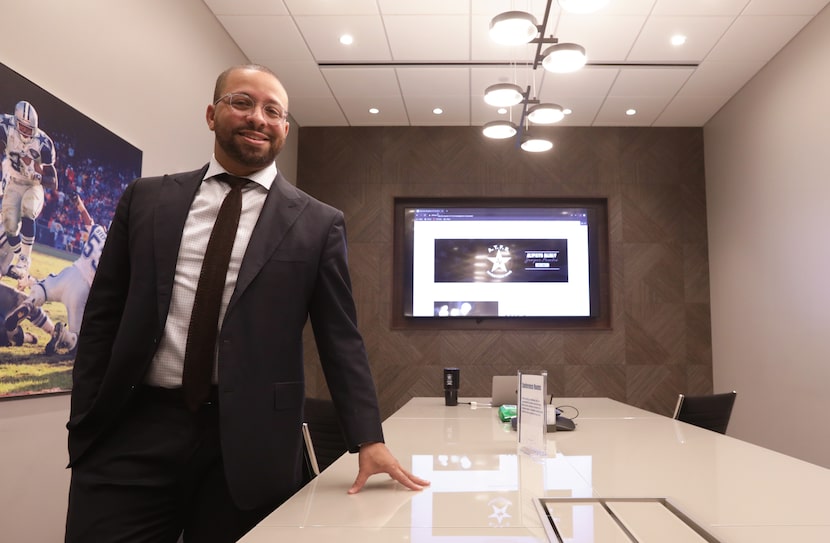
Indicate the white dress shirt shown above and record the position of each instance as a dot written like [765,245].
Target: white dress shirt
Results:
[166,368]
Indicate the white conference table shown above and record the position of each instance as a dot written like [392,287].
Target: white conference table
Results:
[485,491]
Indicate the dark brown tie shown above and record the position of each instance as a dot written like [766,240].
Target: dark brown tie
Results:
[204,321]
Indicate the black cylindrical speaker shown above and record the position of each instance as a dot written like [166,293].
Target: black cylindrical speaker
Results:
[452,379]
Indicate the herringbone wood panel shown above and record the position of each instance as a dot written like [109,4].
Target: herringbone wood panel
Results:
[660,341]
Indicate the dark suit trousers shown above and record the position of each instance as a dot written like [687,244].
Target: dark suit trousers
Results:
[157,473]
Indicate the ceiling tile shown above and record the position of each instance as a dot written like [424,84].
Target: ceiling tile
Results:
[713,78]
[421,95]
[424,7]
[322,35]
[650,81]
[606,38]
[492,8]
[413,38]
[392,110]
[690,110]
[699,7]
[654,44]
[612,112]
[330,7]
[456,110]
[627,7]
[788,7]
[266,36]
[362,82]
[246,7]
[757,37]
[584,109]
[591,81]
[317,112]
[299,78]
[442,81]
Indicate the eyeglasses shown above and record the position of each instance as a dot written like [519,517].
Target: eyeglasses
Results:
[244,104]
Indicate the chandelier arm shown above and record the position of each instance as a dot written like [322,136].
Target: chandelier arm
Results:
[526,100]
[541,40]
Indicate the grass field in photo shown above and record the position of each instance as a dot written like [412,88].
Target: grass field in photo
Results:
[26,369]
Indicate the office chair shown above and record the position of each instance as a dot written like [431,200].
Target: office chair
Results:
[324,441]
[711,412]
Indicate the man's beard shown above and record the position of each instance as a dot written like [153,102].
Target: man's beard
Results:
[243,154]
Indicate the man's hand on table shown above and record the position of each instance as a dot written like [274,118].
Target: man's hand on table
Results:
[375,458]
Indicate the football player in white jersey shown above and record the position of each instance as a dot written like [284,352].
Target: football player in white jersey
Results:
[70,287]
[28,167]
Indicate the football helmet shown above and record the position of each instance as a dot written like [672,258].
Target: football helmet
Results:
[25,118]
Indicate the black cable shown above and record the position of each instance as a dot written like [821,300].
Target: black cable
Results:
[569,407]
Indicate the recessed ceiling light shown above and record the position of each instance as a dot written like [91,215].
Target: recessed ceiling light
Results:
[374,110]
[502,111]
[678,40]
[630,112]
[346,39]
[567,111]
[438,111]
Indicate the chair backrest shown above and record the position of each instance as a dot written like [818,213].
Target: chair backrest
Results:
[711,412]
[323,437]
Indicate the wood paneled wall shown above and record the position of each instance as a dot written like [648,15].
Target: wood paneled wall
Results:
[660,341]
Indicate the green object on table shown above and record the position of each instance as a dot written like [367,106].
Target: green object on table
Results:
[507,412]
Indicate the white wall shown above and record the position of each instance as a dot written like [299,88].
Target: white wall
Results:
[33,475]
[768,199]
[144,69]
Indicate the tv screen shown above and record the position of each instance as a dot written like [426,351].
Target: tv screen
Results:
[497,260]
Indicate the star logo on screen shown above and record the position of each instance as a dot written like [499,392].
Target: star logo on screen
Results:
[499,256]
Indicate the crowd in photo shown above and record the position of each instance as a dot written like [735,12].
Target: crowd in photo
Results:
[99,181]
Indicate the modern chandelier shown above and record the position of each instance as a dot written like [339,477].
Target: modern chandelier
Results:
[518,28]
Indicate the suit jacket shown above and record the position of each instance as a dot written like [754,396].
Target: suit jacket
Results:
[295,268]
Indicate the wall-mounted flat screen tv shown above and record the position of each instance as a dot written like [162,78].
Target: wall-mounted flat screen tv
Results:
[500,263]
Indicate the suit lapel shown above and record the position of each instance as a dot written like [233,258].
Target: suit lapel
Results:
[281,209]
[174,199]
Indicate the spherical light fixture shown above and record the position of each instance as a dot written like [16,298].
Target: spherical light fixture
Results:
[513,28]
[564,58]
[582,6]
[503,95]
[545,114]
[499,130]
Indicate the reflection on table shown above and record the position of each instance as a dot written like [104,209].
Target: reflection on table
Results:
[484,490]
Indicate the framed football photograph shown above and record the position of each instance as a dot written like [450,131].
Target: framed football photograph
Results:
[62,176]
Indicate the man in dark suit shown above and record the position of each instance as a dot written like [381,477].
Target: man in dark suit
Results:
[146,465]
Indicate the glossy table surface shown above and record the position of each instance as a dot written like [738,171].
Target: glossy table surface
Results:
[484,490]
